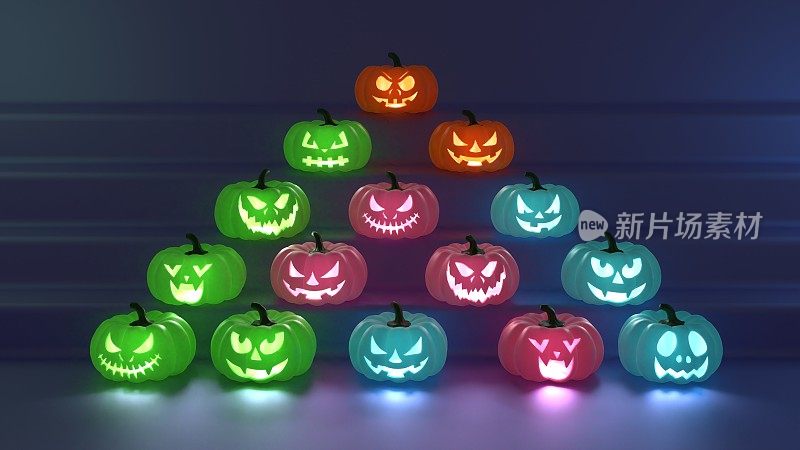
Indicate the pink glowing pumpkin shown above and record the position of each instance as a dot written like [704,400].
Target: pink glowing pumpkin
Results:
[318,273]
[549,347]
[472,274]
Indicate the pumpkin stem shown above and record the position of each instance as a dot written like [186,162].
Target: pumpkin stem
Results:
[399,320]
[473,246]
[470,115]
[393,181]
[326,116]
[197,249]
[263,318]
[141,321]
[318,247]
[612,243]
[672,318]
[552,321]
[395,59]
[536,185]
[262,183]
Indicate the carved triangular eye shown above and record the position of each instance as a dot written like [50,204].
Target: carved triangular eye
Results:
[200,271]
[492,140]
[293,272]
[373,347]
[457,140]
[489,269]
[308,142]
[146,346]
[522,207]
[416,349]
[541,346]
[406,206]
[464,269]
[111,347]
[282,201]
[374,205]
[571,346]
[256,202]
[172,270]
[342,142]
[555,207]
[334,272]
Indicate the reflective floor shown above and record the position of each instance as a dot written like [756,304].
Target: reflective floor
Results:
[471,404]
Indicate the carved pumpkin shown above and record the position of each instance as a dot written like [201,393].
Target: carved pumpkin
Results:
[394,210]
[396,89]
[261,209]
[398,346]
[472,274]
[262,346]
[472,146]
[327,146]
[194,274]
[549,347]
[670,347]
[318,273]
[538,210]
[141,346]
[615,274]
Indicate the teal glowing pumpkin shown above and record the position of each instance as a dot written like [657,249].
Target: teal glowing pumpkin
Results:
[327,146]
[666,346]
[397,346]
[535,210]
[614,274]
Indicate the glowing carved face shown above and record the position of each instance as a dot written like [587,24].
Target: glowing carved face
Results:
[681,360]
[129,357]
[617,291]
[557,367]
[395,366]
[473,154]
[397,89]
[393,215]
[475,284]
[313,285]
[533,219]
[323,142]
[186,284]
[270,212]
[253,365]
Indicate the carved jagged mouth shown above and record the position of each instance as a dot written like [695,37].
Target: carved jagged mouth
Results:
[538,228]
[555,369]
[390,226]
[396,103]
[613,296]
[340,161]
[399,372]
[675,374]
[270,227]
[474,161]
[257,374]
[186,292]
[310,294]
[128,371]
[477,295]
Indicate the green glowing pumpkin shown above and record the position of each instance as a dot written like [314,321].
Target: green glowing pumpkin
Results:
[262,346]
[666,346]
[141,346]
[261,209]
[196,274]
[327,146]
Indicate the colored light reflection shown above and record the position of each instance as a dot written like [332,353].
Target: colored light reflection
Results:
[262,397]
[554,398]
[680,396]
[128,396]
[395,398]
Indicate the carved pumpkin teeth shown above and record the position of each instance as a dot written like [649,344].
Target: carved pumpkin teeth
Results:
[615,297]
[555,369]
[314,294]
[676,374]
[270,227]
[325,162]
[391,227]
[128,371]
[477,295]
[399,372]
[396,103]
[475,161]
[538,228]
[186,292]
[257,374]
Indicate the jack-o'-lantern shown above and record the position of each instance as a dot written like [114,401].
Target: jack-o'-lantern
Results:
[396,88]
[394,210]
[485,146]
[549,347]
[263,345]
[261,209]
[141,346]
[398,346]
[666,346]
[318,273]
[196,274]
[472,274]
[327,146]
[536,210]
[614,274]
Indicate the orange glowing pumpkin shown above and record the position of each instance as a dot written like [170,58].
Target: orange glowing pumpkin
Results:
[471,146]
[396,89]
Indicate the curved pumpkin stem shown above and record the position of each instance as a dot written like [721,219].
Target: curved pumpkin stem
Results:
[470,116]
[399,320]
[672,318]
[473,246]
[197,249]
[395,59]
[536,185]
[326,116]
[262,180]
[263,317]
[141,320]
[393,180]
[612,243]
[552,320]
[318,247]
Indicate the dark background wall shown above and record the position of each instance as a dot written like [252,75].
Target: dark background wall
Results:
[119,124]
